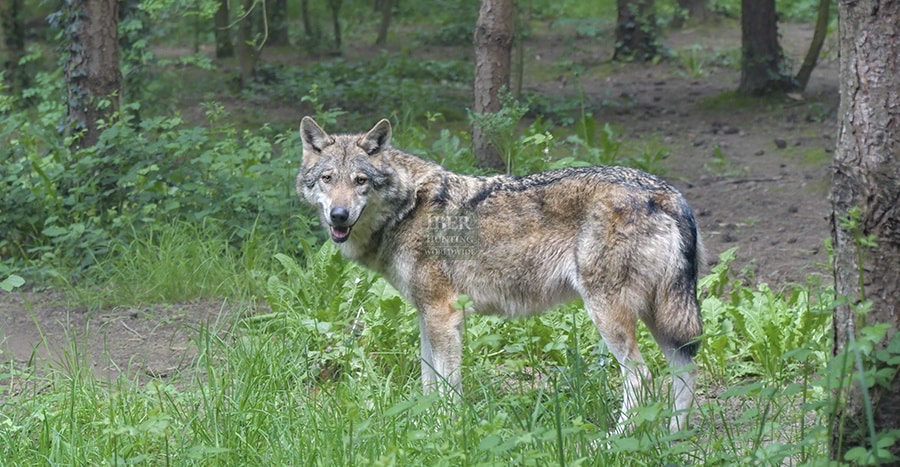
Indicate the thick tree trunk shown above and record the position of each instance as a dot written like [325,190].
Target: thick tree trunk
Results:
[335,7]
[762,61]
[636,31]
[386,8]
[246,51]
[12,43]
[307,21]
[93,76]
[493,53]
[694,12]
[867,179]
[222,22]
[277,13]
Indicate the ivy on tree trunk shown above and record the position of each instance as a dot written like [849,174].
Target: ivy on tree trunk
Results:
[93,76]
[762,61]
[636,31]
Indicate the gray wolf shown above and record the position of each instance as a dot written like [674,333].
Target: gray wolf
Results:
[623,240]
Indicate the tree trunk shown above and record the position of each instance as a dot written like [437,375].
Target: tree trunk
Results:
[12,42]
[867,180]
[307,21]
[815,46]
[335,6]
[246,51]
[93,76]
[493,53]
[762,61]
[278,23]
[636,31]
[222,23]
[135,28]
[692,11]
[386,8]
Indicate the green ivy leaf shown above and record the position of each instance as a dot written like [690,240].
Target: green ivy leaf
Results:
[12,282]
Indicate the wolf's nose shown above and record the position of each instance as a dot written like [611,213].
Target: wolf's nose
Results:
[339,215]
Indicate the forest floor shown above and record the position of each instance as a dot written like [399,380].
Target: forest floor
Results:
[755,171]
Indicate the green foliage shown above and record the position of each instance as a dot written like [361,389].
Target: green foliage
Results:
[330,376]
[386,82]
[451,22]
[851,222]
[69,208]
[331,309]
[752,331]
[789,10]
[180,262]
[501,128]
[451,149]
[537,149]
[12,282]
[697,60]
[322,367]
[719,164]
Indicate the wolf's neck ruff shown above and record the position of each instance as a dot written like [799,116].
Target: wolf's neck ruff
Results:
[624,241]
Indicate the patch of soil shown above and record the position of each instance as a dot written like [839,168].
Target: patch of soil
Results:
[40,331]
[756,174]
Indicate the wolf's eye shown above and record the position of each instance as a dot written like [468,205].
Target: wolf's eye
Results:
[360,180]
[326,178]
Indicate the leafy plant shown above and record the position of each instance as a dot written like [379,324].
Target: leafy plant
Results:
[140,174]
[387,83]
[12,282]
[750,330]
[501,127]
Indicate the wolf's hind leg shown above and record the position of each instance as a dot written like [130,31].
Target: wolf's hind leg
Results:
[676,329]
[616,320]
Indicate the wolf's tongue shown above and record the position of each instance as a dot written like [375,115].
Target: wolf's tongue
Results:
[340,234]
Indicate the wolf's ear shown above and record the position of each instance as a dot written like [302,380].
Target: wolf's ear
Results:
[378,138]
[313,136]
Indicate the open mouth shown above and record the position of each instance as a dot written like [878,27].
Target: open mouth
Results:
[340,234]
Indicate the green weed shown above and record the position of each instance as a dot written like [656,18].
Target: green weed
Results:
[179,263]
[330,375]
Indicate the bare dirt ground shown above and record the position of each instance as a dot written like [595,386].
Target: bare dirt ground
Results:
[764,190]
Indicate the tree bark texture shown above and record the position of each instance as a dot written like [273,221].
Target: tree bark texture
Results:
[815,46]
[307,21]
[92,66]
[12,43]
[246,51]
[335,7]
[277,13]
[494,34]
[694,12]
[386,9]
[762,60]
[636,31]
[867,177]
[221,23]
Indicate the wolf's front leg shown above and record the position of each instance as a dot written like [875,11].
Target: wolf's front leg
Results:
[440,329]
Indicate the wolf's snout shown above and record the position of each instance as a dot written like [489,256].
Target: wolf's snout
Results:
[339,216]
[340,231]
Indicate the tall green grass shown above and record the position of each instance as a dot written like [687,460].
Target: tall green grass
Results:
[327,373]
[179,262]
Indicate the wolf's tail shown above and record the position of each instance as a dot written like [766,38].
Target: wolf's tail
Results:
[685,283]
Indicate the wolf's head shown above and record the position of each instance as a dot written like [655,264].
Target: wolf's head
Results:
[342,174]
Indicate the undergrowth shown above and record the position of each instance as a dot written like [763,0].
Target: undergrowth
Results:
[329,375]
[318,362]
